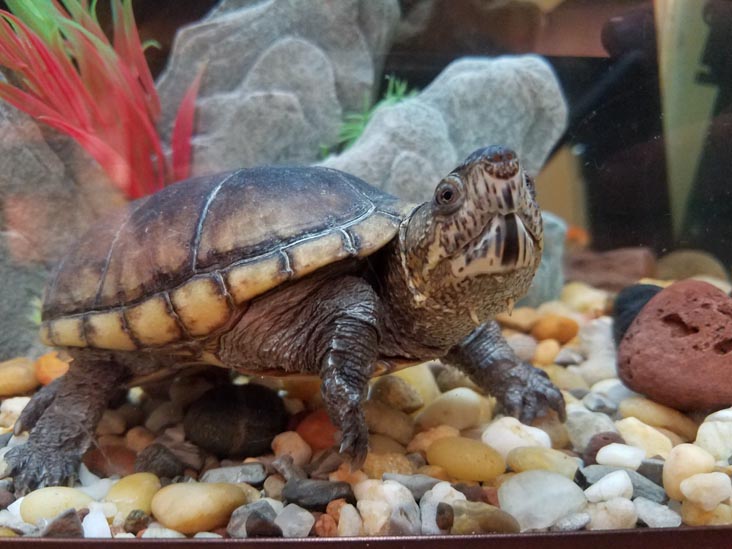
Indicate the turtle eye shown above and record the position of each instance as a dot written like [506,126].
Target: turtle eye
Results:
[447,194]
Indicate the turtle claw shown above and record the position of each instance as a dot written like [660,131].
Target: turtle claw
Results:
[355,443]
[525,392]
[32,468]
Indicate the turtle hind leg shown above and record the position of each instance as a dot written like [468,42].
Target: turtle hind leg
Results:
[63,421]
[33,411]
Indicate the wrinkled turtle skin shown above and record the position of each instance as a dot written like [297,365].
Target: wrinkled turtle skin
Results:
[279,270]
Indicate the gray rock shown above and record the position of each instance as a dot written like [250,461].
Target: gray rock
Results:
[597,402]
[324,463]
[284,70]
[251,473]
[65,525]
[568,357]
[572,523]
[159,460]
[286,467]
[642,487]
[652,469]
[582,425]
[416,484]
[315,495]
[655,515]
[294,521]
[253,520]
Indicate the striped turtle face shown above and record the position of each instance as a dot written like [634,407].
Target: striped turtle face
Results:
[482,220]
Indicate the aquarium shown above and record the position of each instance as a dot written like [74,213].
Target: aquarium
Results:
[376,272]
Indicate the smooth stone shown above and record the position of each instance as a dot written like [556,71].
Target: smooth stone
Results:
[546,351]
[138,438]
[134,492]
[554,326]
[292,444]
[716,438]
[642,487]
[507,433]
[614,389]
[538,499]
[156,531]
[652,469]
[684,461]
[466,459]
[47,503]
[620,455]
[568,357]
[416,484]
[461,408]
[253,473]
[565,378]
[658,415]
[16,523]
[424,439]
[707,490]
[65,525]
[388,421]
[529,458]
[387,508]
[273,486]
[315,495]
[286,467]
[196,507]
[350,523]
[17,377]
[473,517]
[294,521]
[596,402]
[325,527]
[614,485]
[317,430]
[377,464]
[428,504]
[95,525]
[136,520]
[381,444]
[396,393]
[584,298]
[520,318]
[325,463]
[207,535]
[7,498]
[615,514]
[582,425]
[597,344]
[262,516]
[655,515]
[450,378]
[421,379]
[10,410]
[236,420]
[691,515]
[523,345]
[572,523]
[677,349]
[158,460]
[638,434]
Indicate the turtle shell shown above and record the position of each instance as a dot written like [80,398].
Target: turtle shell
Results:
[179,264]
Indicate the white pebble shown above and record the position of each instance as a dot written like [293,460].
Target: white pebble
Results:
[507,433]
[716,438]
[86,477]
[10,410]
[98,490]
[655,515]
[440,492]
[707,490]
[374,514]
[615,514]
[156,530]
[124,535]
[720,415]
[95,525]
[613,485]
[620,455]
[208,535]
[14,508]
[293,444]
[294,521]
[350,523]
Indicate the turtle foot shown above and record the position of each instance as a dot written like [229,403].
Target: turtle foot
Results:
[33,411]
[34,467]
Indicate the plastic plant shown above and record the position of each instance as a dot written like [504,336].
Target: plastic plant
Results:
[355,123]
[70,76]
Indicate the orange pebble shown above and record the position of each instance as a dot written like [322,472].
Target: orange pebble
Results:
[325,527]
[557,327]
[334,508]
[317,430]
[49,367]
[106,461]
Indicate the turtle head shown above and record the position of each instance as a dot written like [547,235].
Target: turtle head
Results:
[483,221]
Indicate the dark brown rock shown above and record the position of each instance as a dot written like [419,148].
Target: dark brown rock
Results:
[159,460]
[678,350]
[612,270]
[136,521]
[598,441]
[65,525]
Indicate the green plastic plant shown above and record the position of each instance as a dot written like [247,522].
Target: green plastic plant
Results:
[355,123]
[101,93]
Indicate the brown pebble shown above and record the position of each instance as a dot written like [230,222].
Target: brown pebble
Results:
[6,498]
[598,441]
[159,460]
[105,461]
[334,508]
[471,492]
[138,438]
[445,516]
[325,526]
[136,521]
[490,495]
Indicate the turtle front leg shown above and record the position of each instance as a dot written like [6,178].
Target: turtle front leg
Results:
[523,390]
[63,417]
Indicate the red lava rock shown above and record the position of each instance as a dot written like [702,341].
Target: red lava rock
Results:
[317,430]
[106,461]
[678,350]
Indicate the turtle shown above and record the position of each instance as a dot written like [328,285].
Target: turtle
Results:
[284,270]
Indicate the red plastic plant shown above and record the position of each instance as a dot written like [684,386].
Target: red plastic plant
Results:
[100,93]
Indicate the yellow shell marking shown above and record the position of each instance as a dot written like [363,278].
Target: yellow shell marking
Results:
[310,255]
[201,305]
[372,233]
[151,322]
[255,278]
[106,331]
[65,331]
